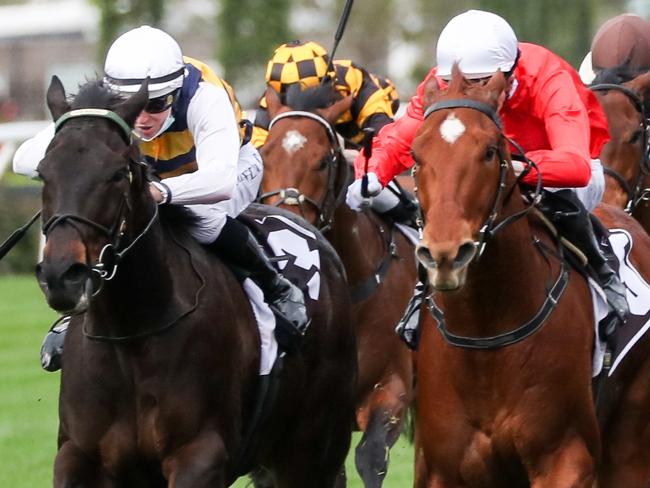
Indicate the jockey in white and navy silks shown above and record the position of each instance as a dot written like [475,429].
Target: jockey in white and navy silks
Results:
[193,137]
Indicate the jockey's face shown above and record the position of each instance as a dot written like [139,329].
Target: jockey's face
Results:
[147,125]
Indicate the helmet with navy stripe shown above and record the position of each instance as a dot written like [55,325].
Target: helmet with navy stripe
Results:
[303,62]
[145,52]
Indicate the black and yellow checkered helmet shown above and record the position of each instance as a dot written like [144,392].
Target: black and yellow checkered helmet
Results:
[297,61]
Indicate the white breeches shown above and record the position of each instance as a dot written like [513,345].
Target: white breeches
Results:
[212,217]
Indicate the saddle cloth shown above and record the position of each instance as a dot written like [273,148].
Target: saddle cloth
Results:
[293,248]
[638,298]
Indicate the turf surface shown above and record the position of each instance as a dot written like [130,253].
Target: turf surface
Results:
[28,397]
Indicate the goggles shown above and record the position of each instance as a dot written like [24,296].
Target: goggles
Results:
[160,104]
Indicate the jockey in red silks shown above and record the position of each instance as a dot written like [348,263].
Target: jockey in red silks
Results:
[546,109]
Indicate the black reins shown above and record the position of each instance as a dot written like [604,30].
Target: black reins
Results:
[635,193]
[488,230]
[490,226]
[337,171]
[111,254]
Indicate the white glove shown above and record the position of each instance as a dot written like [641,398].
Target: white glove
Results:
[358,202]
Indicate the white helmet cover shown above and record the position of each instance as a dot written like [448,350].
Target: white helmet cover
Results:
[481,42]
[144,52]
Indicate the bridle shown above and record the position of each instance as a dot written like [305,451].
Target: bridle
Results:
[635,194]
[112,253]
[337,171]
[490,227]
[488,230]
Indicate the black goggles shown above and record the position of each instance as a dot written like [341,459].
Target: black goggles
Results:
[160,104]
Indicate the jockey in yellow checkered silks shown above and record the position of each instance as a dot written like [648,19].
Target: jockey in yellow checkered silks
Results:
[375,99]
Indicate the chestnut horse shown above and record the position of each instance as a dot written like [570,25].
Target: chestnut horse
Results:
[503,396]
[161,377]
[306,172]
[625,156]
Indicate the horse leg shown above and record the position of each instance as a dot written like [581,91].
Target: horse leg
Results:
[197,464]
[569,466]
[261,478]
[73,468]
[626,438]
[381,419]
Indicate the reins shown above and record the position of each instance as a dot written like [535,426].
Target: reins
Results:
[489,229]
[337,170]
[636,193]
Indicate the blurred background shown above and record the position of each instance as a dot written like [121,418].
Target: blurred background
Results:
[69,38]
[393,38]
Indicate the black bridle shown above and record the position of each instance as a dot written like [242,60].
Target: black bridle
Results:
[337,171]
[488,230]
[635,193]
[490,227]
[112,253]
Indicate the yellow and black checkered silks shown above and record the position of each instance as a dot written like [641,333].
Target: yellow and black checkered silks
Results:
[375,101]
[297,61]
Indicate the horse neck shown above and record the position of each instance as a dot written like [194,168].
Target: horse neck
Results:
[358,241]
[143,292]
[511,271]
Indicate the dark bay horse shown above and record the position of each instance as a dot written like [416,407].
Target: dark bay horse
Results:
[306,172]
[625,156]
[162,356]
[504,396]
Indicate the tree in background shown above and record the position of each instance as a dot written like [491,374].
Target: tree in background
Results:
[248,31]
[116,15]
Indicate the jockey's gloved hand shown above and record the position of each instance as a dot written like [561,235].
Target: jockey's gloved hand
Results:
[355,200]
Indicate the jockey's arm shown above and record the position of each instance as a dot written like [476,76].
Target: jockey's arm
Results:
[32,151]
[212,122]
[391,147]
[567,163]
[261,124]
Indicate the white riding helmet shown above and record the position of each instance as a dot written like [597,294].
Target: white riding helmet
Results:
[141,52]
[481,42]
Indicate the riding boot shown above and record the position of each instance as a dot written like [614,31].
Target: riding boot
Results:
[408,327]
[575,223]
[52,347]
[401,209]
[240,249]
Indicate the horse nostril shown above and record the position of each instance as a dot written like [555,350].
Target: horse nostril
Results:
[466,253]
[423,254]
[75,274]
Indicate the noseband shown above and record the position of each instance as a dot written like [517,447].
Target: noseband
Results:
[490,227]
[335,165]
[111,254]
[637,194]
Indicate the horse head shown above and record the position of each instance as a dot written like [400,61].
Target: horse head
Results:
[304,167]
[462,166]
[91,184]
[625,156]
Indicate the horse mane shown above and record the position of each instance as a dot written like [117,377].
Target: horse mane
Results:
[95,94]
[308,99]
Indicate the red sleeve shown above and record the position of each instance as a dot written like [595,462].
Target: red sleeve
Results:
[567,162]
[391,148]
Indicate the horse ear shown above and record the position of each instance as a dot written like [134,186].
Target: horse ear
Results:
[56,100]
[431,92]
[334,111]
[273,102]
[130,108]
[641,85]
[496,85]
[458,82]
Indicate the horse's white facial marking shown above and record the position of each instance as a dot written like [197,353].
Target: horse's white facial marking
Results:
[452,128]
[293,141]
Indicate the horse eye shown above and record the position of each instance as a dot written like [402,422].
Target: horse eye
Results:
[635,137]
[490,153]
[118,176]
[323,164]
